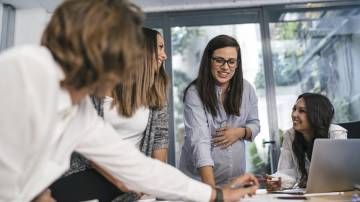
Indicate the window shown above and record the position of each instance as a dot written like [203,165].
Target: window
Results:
[287,50]
[1,23]
[317,51]
[7,24]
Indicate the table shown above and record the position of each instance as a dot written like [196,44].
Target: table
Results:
[263,196]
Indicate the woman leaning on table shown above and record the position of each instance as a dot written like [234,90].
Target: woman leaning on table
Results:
[311,116]
[138,112]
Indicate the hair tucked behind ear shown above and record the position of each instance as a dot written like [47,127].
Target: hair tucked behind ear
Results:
[319,112]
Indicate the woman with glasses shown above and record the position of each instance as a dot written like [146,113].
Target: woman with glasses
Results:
[220,113]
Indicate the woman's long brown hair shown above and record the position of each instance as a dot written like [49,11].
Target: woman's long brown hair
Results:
[150,87]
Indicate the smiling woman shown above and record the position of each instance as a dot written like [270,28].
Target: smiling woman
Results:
[224,62]
[220,113]
[311,116]
[137,110]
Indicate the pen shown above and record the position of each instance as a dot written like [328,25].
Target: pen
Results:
[289,193]
[238,186]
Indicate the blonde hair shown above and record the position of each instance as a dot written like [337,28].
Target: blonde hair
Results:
[94,38]
[150,88]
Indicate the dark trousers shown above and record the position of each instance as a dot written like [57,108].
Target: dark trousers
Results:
[82,186]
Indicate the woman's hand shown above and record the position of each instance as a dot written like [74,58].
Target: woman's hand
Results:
[44,196]
[226,136]
[249,183]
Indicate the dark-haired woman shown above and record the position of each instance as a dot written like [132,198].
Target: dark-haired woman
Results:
[311,115]
[220,112]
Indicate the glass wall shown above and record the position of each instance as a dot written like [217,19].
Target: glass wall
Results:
[317,51]
[286,49]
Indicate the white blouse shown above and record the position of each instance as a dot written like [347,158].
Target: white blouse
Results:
[40,127]
[129,128]
[288,168]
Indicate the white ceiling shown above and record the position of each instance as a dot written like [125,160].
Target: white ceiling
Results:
[176,5]
[163,5]
[48,5]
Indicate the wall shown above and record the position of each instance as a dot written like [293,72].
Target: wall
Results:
[1,14]
[29,25]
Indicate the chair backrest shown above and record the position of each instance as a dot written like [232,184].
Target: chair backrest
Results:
[353,128]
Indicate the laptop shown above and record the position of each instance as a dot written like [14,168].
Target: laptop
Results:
[335,166]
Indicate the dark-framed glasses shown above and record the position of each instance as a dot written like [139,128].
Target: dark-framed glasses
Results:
[220,61]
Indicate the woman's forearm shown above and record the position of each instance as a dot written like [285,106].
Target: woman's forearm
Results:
[160,154]
[207,175]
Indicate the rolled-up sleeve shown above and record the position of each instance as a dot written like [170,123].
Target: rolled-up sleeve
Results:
[285,159]
[287,168]
[197,129]
[252,120]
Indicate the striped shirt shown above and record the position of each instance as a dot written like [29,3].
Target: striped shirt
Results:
[200,126]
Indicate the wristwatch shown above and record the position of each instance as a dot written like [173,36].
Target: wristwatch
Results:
[219,195]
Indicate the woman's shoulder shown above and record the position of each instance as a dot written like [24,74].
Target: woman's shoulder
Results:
[289,134]
[247,84]
[337,132]
[335,127]
[248,88]
[37,57]
[192,89]
[30,52]
[192,94]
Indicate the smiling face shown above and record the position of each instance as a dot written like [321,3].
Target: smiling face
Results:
[223,65]
[299,117]
[160,48]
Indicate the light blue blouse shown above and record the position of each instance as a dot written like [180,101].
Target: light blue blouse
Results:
[200,126]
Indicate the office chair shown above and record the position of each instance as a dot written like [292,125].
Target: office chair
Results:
[353,129]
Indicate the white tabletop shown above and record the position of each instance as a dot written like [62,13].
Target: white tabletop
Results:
[263,196]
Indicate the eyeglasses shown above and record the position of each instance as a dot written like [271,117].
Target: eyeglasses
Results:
[219,61]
